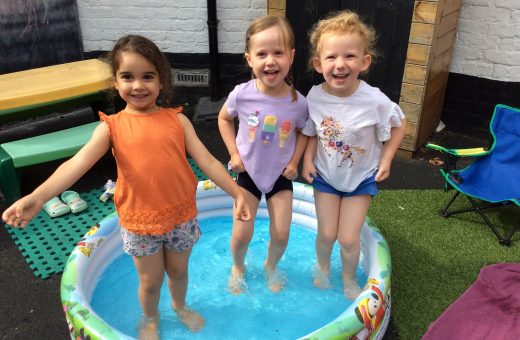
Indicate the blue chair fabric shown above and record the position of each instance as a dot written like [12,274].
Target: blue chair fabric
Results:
[493,177]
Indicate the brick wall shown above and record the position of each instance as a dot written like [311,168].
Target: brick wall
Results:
[488,40]
[178,26]
[487,46]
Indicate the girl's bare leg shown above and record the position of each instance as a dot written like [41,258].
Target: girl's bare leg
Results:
[280,215]
[352,216]
[177,269]
[150,270]
[327,212]
[240,237]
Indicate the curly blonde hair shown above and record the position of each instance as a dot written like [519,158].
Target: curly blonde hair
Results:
[344,22]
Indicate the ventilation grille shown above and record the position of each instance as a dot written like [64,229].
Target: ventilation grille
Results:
[191,78]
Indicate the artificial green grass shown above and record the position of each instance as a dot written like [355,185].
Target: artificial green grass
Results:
[435,259]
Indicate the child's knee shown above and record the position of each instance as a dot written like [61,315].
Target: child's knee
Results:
[326,238]
[349,244]
[280,237]
[177,274]
[241,239]
[150,286]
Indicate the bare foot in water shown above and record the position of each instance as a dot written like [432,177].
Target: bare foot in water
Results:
[275,280]
[320,278]
[236,283]
[351,289]
[193,320]
[148,328]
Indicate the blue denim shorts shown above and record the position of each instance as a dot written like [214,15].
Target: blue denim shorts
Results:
[367,187]
[181,238]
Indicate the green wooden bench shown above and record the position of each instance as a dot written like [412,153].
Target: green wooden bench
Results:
[42,90]
[37,150]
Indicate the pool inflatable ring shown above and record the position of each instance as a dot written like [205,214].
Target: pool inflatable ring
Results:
[366,317]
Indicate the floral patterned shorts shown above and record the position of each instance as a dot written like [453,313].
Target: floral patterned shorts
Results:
[180,239]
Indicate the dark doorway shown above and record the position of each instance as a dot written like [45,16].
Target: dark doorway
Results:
[391,20]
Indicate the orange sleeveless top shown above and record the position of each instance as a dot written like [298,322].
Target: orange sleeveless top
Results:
[156,186]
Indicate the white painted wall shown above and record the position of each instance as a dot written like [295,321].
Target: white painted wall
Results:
[488,40]
[487,46]
[176,26]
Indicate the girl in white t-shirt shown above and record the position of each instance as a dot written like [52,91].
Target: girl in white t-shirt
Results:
[345,157]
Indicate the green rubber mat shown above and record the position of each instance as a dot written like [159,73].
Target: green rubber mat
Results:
[200,175]
[46,242]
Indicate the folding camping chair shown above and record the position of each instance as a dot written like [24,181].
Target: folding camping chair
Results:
[492,179]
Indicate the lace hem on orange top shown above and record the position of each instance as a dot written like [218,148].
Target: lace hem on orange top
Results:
[157,223]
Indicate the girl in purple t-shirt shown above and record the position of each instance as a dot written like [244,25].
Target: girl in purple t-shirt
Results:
[268,145]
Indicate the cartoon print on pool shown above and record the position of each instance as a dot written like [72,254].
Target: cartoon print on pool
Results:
[87,248]
[370,310]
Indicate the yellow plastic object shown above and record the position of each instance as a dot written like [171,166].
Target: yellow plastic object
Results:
[470,152]
[52,146]
[40,86]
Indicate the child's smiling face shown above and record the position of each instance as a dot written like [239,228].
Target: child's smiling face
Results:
[341,58]
[270,60]
[138,83]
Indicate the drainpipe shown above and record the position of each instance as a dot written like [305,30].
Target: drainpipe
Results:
[213,50]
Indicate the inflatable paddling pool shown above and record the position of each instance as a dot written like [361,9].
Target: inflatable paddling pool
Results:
[366,317]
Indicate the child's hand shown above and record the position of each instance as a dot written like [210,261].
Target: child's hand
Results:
[291,171]
[309,171]
[235,164]
[22,211]
[242,210]
[383,172]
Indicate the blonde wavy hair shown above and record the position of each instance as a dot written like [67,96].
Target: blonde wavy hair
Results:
[337,23]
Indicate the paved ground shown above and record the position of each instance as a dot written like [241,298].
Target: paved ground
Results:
[30,307]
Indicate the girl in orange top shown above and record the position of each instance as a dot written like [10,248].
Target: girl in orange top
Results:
[155,193]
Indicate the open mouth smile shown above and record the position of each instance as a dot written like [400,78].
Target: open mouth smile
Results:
[340,76]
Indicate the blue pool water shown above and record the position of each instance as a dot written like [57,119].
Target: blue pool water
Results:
[257,314]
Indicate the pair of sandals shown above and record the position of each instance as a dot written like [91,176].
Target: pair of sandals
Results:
[70,202]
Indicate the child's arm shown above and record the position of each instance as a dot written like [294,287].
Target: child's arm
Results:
[214,170]
[226,126]
[389,150]
[309,170]
[291,170]
[20,213]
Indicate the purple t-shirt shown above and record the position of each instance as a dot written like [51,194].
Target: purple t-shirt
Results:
[266,134]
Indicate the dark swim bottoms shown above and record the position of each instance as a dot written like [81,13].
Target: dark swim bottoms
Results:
[245,181]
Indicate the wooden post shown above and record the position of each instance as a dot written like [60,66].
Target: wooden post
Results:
[276,7]
[430,47]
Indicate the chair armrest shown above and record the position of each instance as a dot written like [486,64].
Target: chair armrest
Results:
[471,152]
[451,156]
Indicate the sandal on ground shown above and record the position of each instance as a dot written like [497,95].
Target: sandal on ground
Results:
[54,207]
[76,203]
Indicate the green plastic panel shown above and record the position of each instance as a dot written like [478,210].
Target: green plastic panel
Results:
[46,242]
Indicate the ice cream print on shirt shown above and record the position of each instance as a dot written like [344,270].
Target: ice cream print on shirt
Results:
[285,132]
[339,140]
[252,123]
[269,128]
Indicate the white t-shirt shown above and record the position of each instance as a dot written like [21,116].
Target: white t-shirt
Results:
[350,133]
